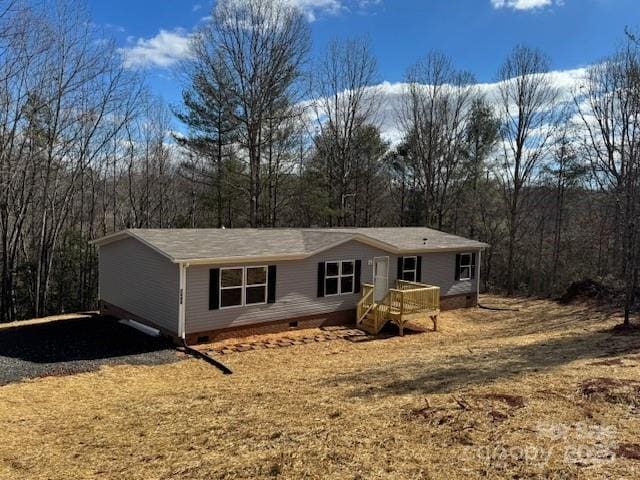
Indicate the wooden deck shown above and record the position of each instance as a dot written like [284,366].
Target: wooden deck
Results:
[408,301]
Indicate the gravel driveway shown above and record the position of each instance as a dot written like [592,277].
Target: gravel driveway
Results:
[67,347]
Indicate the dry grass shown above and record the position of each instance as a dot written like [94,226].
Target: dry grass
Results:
[448,405]
[52,318]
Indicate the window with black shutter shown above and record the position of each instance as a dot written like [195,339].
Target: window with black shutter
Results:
[337,278]
[241,286]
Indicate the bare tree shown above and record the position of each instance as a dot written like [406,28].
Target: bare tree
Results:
[149,166]
[434,115]
[60,92]
[346,99]
[17,67]
[527,111]
[609,106]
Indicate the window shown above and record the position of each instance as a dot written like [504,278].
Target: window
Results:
[466,263]
[231,281]
[243,286]
[256,285]
[347,272]
[409,268]
[339,278]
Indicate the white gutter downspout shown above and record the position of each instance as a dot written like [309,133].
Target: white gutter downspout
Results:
[182,328]
[182,294]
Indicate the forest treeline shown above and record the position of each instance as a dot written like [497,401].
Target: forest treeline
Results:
[268,136]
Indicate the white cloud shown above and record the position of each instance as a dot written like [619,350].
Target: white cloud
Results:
[525,4]
[196,7]
[115,28]
[168,47]
[313,8]
[565,81]
[163,50]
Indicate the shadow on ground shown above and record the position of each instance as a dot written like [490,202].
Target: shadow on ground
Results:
[77,345]
[450,373]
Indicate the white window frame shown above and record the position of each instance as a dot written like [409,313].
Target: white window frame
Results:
[327,277]
[265,285]
[221,288]
[339,277]
[352,275]
[243,286]
[465,265]
[414,270]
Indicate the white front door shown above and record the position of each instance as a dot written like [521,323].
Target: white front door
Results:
[380,277]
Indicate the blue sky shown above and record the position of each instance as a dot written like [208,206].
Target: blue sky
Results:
[476,34]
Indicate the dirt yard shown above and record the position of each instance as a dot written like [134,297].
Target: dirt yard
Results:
[548,391]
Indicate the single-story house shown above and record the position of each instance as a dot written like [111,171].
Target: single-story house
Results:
[203,284]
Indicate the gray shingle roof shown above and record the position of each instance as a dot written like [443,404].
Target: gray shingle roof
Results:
[414,238]
[216,244]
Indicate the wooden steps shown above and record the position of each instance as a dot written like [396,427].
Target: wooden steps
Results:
[368,324]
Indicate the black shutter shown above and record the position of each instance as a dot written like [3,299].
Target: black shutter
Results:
[356,287]
[418,268]
[457,266]
[321,279]
[400,276]
[473,266]
[214,289]
[271,283]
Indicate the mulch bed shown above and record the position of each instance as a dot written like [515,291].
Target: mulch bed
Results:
[326,335]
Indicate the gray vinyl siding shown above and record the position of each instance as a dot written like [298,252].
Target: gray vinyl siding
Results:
[136,278]
[297,285]
[296,290]
[439,269]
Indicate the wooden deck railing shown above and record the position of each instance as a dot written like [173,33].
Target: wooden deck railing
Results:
[406,299]
[416,297]
[366,303]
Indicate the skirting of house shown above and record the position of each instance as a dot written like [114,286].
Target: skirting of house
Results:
[463,300]
[343,317]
